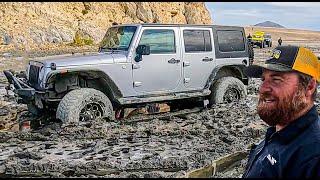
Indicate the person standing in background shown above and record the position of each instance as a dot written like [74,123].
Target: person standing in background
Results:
[279,41]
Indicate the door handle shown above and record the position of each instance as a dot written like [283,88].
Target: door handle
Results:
[206,59]
[135,66]
[173,61]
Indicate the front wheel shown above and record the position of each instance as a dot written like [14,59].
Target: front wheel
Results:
[84,104]
[227,90]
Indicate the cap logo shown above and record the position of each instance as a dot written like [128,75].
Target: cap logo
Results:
[276,53]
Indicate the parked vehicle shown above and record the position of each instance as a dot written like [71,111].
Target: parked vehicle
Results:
[139,64]
[268,40]
[258,38]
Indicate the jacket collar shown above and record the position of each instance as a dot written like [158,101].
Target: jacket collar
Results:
[288,133]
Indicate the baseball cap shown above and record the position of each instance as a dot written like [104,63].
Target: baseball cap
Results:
[286,59]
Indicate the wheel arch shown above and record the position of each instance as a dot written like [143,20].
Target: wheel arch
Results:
[86,78]
[236,71]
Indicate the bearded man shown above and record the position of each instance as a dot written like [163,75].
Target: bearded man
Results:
[291,147]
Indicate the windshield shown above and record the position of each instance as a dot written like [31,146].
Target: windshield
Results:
[118,38]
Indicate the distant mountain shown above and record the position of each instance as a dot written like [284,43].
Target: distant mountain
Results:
[269,24]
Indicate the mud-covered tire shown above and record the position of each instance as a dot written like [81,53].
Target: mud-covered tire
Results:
[225,85]
[70,106]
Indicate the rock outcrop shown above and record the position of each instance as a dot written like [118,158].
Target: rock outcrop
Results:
[32,24]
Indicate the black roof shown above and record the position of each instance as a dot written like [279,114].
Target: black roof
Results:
[177,25]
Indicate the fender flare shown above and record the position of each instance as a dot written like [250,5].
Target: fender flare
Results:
[95,73]
[239,70]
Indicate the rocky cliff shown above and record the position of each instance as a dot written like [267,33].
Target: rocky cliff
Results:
[34,24]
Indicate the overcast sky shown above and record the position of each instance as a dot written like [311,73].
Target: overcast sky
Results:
[293,15]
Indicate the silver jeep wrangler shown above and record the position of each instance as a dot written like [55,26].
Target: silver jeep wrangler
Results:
[137,65]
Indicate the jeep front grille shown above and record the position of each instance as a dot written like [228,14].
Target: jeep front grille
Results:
[34,74]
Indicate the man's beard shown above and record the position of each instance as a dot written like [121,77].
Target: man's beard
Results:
[285,109]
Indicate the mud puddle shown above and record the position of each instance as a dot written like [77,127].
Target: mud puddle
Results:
[166,147]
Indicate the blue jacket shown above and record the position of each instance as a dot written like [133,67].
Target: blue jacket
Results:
[294,151]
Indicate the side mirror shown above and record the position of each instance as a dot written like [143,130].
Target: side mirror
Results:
[142,50]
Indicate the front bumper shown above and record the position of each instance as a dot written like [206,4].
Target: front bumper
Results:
[21,88]
[256,41]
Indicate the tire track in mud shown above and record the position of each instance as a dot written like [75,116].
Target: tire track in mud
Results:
[161,147]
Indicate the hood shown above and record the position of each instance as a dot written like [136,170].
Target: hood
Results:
[79,60]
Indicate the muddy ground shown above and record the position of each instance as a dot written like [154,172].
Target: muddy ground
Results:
[160,147]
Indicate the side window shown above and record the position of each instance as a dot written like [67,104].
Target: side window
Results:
[197,40]
[160,40]
[230,41]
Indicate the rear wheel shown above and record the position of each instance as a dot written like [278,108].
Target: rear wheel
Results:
[83,105]
[226,90]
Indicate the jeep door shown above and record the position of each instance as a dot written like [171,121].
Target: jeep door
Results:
[198,56]
[160,71]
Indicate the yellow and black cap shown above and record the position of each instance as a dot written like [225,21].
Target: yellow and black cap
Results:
[288,58]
